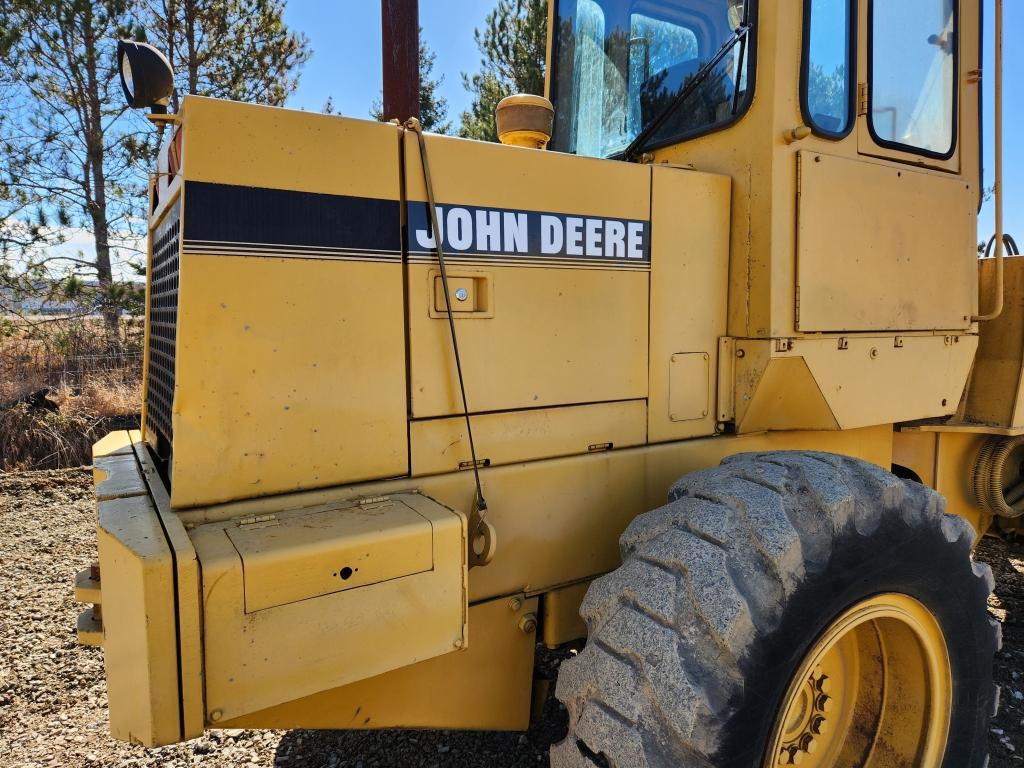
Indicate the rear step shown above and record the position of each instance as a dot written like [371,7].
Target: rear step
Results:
[90,621]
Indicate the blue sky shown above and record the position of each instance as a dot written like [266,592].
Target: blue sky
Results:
[1013,120]
[346,62]
[346,65]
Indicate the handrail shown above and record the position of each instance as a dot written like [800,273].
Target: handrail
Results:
[997,189]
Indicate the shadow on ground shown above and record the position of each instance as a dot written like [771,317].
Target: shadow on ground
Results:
[408,748]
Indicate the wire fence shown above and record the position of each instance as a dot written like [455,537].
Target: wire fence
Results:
[25,371]
[63,385]
[68,354]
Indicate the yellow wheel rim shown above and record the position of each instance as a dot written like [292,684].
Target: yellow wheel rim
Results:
[874,691]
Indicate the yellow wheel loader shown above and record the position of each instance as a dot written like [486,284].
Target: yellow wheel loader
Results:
[699,364]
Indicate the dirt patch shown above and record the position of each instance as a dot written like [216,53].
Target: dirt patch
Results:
[53,696]
[1006,737]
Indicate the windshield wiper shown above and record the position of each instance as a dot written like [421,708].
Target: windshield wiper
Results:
[636,146]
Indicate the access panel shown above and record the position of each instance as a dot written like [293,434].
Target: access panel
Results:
[304,600]
[883,248]
[550,260]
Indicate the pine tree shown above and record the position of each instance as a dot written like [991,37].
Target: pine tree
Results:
[513,46]
[433,106]
[228,49]
[68,156]
[73,157]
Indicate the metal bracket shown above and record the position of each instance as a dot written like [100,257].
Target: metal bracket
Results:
[483,538]
[727,354]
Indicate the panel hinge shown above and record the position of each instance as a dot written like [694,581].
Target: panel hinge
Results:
[374,502]
[727,354]
[862,98]
[255,520]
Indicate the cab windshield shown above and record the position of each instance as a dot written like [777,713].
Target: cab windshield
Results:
[672,68]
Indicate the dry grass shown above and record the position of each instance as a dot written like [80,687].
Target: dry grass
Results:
[35,439]
[66,352]
[102,395]
[94,381]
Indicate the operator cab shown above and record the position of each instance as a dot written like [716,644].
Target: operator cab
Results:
[855,172]
[632,76]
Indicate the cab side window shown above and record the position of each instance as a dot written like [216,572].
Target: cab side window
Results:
[827,74]
[912,78]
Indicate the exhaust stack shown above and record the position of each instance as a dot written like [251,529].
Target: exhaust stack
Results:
[400,51]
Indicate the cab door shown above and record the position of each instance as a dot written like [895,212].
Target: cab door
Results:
[886,237]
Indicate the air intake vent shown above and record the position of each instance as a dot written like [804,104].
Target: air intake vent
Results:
[163,322]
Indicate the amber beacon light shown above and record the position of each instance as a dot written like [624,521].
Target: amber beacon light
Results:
[524,120]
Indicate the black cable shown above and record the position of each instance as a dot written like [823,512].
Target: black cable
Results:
[417,128]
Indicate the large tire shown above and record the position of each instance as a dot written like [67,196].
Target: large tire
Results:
[694,639]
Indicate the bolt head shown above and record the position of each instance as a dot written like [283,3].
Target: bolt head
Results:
[528,623]
[515,604]
[461,294]
[216,715]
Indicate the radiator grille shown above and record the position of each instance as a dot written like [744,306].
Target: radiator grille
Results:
[163,321]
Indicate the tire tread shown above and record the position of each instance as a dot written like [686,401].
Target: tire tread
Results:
[703,577]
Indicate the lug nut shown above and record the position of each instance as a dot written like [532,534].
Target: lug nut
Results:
[824,703]
[809,744]
[819,726]
[824,684]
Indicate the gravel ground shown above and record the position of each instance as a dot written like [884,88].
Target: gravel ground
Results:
[53,697]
